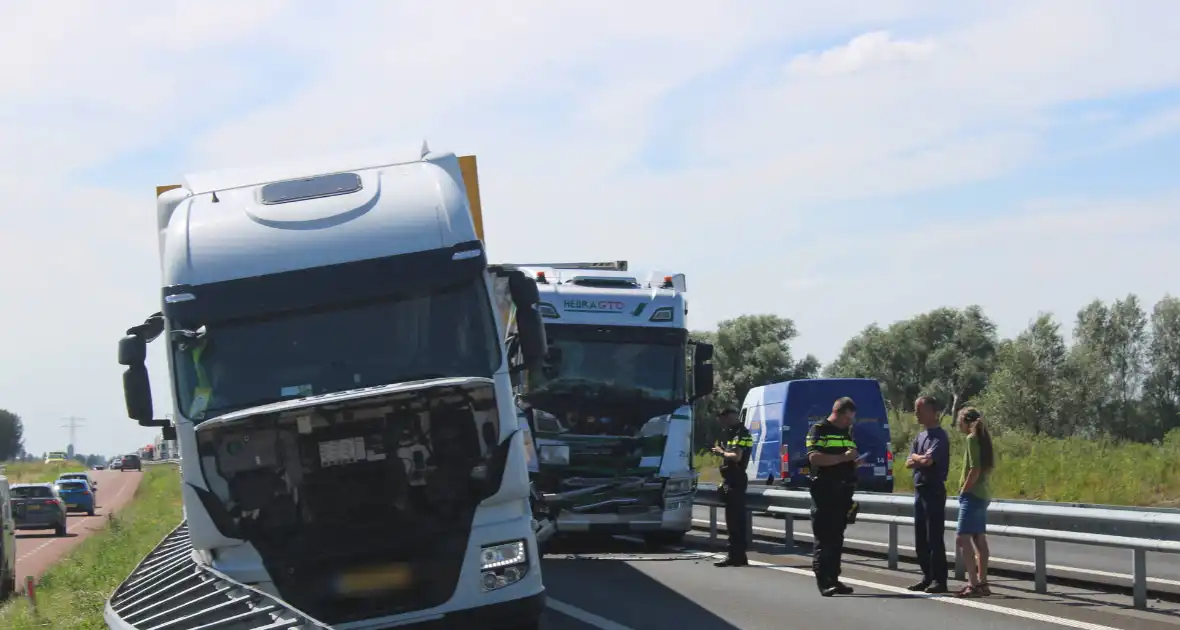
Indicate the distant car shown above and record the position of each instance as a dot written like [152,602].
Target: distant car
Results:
[80,476]
[116,463]
[38,506]
[77,495]
[99,467]
[131,462]
[56,457]
[7,543]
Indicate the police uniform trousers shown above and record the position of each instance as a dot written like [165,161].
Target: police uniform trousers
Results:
[830,503]
[736,518]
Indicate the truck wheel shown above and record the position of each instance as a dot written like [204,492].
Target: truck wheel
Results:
[7,587]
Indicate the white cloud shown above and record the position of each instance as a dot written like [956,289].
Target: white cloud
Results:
[865,52]
[565,104]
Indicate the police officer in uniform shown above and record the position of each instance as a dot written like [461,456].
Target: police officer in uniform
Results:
[734,449]
[832,456]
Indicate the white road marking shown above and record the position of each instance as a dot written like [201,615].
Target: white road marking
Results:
[1024,563]
[946,599]
[585,617]
[77,523]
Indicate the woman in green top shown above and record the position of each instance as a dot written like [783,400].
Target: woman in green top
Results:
[974,497]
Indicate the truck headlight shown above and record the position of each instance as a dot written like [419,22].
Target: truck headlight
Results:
[503,564]
[677,486]
[558,454]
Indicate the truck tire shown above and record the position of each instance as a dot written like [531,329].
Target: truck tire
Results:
[7,587]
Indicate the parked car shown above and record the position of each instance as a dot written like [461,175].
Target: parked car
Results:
[77,495]
[131,462]
[38,506]
[80,476]
[7,542]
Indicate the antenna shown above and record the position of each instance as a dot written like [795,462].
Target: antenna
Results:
[72,423]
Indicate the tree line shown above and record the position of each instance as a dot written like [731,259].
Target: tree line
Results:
[1118,377]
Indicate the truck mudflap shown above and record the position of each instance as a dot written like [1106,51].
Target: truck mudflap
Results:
[169,589]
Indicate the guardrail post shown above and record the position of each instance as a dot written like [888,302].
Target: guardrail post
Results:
[1040,579]
[712,523]
[893,546]
[31,591]
[789,532]
[1139,575]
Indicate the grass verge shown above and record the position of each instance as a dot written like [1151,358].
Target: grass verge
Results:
[1048,469]
[72,594]
[38,472]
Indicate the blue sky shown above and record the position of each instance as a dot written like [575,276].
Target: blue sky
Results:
[838,163]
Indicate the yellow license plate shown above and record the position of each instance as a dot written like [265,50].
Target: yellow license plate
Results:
[73,505]
[383,578]
[803,470]
[34,507]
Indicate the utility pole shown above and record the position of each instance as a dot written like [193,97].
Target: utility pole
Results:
[72,423]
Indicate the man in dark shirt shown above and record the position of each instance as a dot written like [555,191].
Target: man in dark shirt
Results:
[832,455]
[734,449]
[930,459]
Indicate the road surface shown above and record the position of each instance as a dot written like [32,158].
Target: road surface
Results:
[37,550]
[622,586]
[1065,560]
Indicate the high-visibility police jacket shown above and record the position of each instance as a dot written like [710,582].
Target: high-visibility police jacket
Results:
[825,437]
[736,436]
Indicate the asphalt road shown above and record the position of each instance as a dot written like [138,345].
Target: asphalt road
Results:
[619,585]
[1066,560]
[38,550]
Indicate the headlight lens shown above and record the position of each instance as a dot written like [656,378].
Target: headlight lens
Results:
[503,564]
[502,555]
[555,454]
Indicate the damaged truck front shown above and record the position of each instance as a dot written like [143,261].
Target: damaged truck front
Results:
[610,408]
[343,403]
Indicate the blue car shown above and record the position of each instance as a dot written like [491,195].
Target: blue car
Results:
[778,417]
[77,496]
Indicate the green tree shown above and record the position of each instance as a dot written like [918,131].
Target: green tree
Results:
[1162,387]
[749,351]
[947,352]
[12,435]
[1106,368]
[1024,392]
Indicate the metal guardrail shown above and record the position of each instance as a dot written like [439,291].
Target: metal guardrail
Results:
[1136,530]
[170,590]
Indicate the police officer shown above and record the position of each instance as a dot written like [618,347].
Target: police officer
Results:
[832,456]
[734,449]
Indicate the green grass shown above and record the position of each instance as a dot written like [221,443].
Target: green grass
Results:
[38,472]
[71,595]
[1048,469]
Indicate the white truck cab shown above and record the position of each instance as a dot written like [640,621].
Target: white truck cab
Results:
[610,408]
[343,407]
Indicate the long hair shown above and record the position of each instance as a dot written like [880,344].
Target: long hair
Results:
[975,424]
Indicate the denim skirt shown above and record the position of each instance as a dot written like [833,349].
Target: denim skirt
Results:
[972,514]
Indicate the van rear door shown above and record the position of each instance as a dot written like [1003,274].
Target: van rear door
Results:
[871,435]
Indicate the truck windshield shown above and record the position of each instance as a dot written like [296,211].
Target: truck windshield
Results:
[450,332]
[611,362]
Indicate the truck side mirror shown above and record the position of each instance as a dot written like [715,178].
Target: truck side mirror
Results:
[529,325]
[137,393]
[168,433]
[702,371]
[702,381]
[703,353]
[132,350]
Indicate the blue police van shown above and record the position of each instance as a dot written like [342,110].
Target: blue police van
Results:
[778,417]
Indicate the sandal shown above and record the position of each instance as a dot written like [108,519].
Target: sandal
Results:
[983,589]
[970,591]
